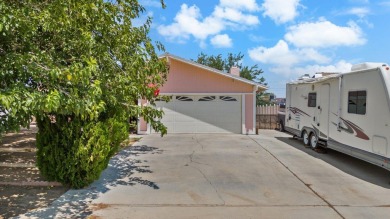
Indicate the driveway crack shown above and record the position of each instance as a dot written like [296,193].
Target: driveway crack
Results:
[301,180]
[193,161]
[197,141]
[212,185]
[191,156]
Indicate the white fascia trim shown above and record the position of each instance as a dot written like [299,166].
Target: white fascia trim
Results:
[213,70]
[243,128]
[148,129]
[253,132]
[139,123]
[138,119]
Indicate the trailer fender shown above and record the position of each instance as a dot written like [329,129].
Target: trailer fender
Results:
[308,130]
[313,131]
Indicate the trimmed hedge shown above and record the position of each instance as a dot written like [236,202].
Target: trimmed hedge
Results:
[74,151]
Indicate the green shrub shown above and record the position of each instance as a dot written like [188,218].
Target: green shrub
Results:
[74,151]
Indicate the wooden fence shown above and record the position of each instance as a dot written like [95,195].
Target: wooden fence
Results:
[267,117]
[267,110]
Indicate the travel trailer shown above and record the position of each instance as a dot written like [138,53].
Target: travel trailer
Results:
[348,112]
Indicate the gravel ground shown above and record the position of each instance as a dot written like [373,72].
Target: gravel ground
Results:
[15,200]
[24,191]
[19,176]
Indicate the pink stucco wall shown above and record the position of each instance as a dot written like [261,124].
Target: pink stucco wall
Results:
[249,107]
[143,125]
[185,78]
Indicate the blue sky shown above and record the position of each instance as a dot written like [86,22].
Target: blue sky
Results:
[285,38]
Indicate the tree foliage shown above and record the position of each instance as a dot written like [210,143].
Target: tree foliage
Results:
[75,157]
[252,73]
[79,66]
[264,98]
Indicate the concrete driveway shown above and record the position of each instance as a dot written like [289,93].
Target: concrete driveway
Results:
[230,176]
[236,176]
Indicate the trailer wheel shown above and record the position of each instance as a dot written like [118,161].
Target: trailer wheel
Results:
[281,127]
[305,136]
[313,141]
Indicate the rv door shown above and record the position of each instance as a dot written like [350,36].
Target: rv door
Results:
[323,111]
[288,117]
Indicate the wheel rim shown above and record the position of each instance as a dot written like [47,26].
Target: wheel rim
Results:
[281,127]
[305,138]
[313,141]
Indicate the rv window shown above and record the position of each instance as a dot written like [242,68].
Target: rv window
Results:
[357,102]
[312,100]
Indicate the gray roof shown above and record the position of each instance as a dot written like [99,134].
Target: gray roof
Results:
[315,80]
[216,71]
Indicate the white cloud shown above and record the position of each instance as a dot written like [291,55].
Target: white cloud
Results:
[236,16]
[324,34]
[256,38]
[279,54]
[385,3]
[249,5]
[281,11]
[222,41]
[360,1]
[282,55]
[188,22]
[358,11]
[294,72]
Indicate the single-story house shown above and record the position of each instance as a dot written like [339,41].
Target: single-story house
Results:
[206,100]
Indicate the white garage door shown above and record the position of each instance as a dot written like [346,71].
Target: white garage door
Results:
[202,114]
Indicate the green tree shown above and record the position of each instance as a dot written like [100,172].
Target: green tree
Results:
[79,67]
[252,73]
[217,62]
[212,61]
[264,98]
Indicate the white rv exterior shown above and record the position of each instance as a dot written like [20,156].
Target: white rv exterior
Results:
[347,112]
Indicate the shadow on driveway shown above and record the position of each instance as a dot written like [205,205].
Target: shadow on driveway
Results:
[75,203]
[350,165]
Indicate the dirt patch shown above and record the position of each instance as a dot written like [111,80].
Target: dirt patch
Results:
[93,217]
[99,206]
[22,187]
[19,141]
[21,183]
[18,157]
[15,200]
[20,174]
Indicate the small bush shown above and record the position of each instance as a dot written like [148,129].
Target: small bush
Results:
[74,151]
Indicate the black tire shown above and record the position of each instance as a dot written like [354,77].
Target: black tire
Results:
[281,126]
[313,141]
[306,138]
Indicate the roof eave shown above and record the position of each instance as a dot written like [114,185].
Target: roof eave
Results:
[259,86]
